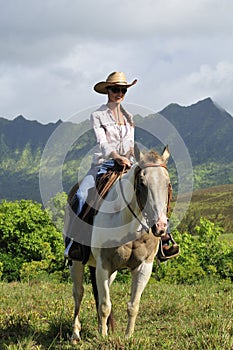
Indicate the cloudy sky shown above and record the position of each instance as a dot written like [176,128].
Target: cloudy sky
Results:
[54,51]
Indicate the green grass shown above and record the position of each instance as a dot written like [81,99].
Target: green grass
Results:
[227,237]
[39,316]
[214,203]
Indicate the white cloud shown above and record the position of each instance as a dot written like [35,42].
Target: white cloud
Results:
[214,81]
[52,53]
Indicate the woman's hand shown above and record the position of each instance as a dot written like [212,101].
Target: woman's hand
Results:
[121,160]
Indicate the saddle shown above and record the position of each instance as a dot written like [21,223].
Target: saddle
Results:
[103,184]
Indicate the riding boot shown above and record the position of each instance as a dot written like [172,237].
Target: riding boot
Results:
[73,250]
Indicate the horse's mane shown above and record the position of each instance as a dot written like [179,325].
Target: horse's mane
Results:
[150,157]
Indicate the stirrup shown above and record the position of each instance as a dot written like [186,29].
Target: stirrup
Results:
[172,252]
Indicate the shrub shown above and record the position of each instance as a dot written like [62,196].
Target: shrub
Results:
[32,247]
[27,234]
[201,256]
[56,209]
[214,254]
[33,270]
[1,269]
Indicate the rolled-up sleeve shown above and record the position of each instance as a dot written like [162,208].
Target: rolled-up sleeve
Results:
[101,137]
[98,128]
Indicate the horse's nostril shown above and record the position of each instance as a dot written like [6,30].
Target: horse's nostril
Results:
[154,229]
[161,226]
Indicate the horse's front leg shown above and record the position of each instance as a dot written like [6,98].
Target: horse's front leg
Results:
[140,278]
[76,272]
[102,280]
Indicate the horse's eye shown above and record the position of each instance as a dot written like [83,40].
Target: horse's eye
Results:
[142,181]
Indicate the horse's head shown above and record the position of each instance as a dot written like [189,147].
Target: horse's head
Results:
[153,189]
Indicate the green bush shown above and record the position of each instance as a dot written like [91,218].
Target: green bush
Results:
[33,270]
[1,269]
[56,209]
[204,255]
[27,235]
[11,265]
[31,247]
[215,255]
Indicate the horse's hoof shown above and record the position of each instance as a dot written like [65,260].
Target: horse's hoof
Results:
[75,340]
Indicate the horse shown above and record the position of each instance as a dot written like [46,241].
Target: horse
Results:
[125,235]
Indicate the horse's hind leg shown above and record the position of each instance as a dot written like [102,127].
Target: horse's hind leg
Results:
[140,278]
[76,272]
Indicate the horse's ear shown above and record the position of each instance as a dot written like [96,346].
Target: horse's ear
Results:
[166,154]
[137,152]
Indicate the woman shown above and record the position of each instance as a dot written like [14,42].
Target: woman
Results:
[114,130]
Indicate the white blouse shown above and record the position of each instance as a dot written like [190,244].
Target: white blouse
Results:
[110,135]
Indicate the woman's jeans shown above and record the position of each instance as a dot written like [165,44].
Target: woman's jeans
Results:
[89,182]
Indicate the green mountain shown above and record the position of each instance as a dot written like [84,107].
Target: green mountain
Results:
[204,128]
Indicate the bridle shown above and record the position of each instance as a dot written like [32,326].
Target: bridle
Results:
[147,165]
[136,174]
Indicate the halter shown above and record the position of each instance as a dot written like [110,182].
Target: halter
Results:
[137,170]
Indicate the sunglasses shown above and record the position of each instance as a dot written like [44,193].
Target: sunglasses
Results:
[116,90]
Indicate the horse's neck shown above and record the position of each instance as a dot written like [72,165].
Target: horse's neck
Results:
[123,189]
[127,187]
[114,221]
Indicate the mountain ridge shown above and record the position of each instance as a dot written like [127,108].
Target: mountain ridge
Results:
[216,129]
[205,128]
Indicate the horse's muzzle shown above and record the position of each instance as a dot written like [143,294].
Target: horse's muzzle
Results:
[159,229]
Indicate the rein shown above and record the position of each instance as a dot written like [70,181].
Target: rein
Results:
[147,165]
[130,209]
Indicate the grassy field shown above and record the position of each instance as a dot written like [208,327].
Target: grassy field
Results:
[214,203]
[39,316]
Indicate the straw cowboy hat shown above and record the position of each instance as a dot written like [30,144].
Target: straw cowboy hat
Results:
[114,79]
